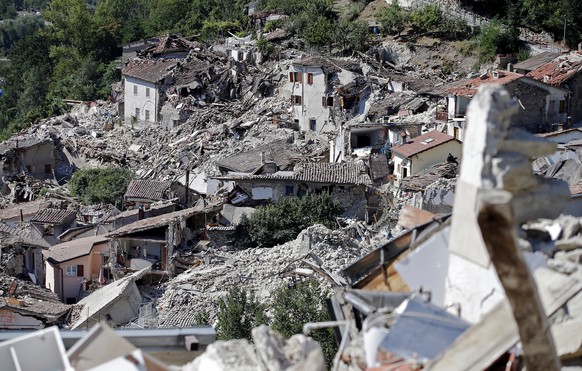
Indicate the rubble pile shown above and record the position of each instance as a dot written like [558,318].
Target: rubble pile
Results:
[270,352]
[318,252]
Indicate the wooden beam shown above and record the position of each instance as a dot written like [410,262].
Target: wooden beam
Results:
[497,225]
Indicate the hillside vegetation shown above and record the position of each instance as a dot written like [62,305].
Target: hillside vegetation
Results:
[74,54]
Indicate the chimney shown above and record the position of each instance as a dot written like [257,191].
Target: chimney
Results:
[140,214]
[331,151]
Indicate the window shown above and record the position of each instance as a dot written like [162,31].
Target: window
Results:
[147,115]
[135,90]
[310,78]
[240,55]
[29,168]
[74,270]
[295,77]
[562,106]
[147,92]
[48,168]
[296,100]
[289,190]
[137,113]
[327,102]
[312,124]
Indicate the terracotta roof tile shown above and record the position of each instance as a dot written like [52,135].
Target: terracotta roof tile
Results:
[54,216]
[536,61]
[422,143]
[344,173]
[149,70]
[147,189]
[469,88]
[559,70]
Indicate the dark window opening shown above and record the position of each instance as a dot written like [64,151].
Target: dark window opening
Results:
[289,190]
[296,100]
[363,141]
[562,106]
[312,124]
[48,168]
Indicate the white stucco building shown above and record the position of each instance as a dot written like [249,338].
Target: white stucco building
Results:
[423,152]
[311,85]
[144,81]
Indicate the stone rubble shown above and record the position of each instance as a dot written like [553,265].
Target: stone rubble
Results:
[318,253]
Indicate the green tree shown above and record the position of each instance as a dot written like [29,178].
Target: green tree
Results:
[493,39]
[428,18]
[239,312]
[281,222]
[294,306]
[392,19]
[318,33]
[103,185]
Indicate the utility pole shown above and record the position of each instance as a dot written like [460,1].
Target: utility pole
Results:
[564,39]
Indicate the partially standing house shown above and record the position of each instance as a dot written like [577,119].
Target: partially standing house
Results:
[48,224]
[316,85]
[564,72]
[71,267]
[143,192]
[145,81]
[540,104]
[347,182]
[154,242]
[423,152]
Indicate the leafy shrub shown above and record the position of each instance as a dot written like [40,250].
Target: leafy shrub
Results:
[493,39]
[293,306]
[107,185]
[392,19]
[428,18]
[281,222]
[239,313]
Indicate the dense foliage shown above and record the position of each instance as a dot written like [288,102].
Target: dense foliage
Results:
[105,185]
[239,312]
[73,55]
[293,306]
[278,223]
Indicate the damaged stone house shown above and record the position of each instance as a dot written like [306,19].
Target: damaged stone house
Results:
[155,242]
[347,182]
[49,223]
[73,267]
[145,82]
[37,158]
[142,193]
[280,153]
[564,72]
[422,152]
[24,306]
[541,104]
[21,255]
[321,90]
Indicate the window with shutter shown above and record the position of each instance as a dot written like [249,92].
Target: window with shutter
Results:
[299,77]
[291,76]
[324,102]
[79,270]
[310,78]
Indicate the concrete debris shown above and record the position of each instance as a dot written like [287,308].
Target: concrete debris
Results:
[411,287]
[270,352]
[318,250]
